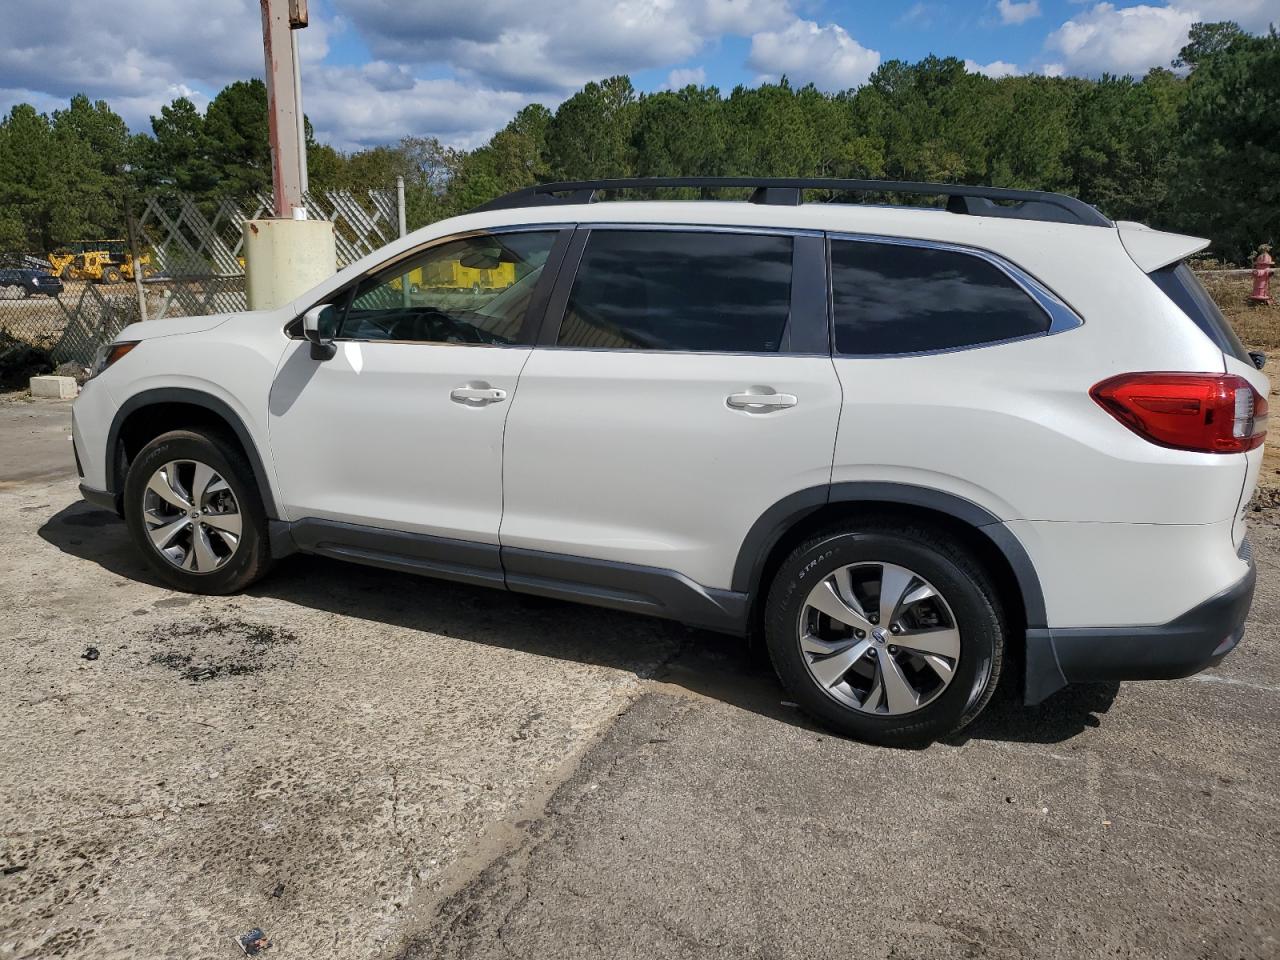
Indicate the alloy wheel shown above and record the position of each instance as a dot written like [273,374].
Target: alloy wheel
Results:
[880,638]
[192,516]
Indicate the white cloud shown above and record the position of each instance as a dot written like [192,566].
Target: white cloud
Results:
[995,69]
[681,77]
[1053,70]
[807,53]
[138,55]
[515,44]
[354,107]
[1013,12]
[1111,39]
[1106,38]
[140,61]
[918,14]
[1252,15]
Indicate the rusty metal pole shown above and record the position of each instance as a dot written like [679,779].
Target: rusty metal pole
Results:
[285,254]
[288,157]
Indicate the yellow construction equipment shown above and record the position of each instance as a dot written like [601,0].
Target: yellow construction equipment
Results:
[102,261]
[451,275]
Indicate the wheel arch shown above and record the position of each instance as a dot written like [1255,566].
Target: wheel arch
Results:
[148,414]
[795,517]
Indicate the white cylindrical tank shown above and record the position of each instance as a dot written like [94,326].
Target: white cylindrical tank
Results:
[285,258]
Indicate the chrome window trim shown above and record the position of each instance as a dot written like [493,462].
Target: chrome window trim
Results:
[665,227]
[1061,316]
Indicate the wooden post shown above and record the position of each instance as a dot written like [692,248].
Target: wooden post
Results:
[137,261]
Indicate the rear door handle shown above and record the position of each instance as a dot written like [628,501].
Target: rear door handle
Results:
[477,395]
[761,402]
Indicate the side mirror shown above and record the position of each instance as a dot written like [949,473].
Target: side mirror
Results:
[317,326]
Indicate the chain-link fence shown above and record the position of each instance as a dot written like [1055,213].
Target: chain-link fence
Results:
[183,258]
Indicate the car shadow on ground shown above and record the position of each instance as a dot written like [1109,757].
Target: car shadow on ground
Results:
[708,664]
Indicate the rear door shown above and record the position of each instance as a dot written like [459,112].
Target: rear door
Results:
[683,385]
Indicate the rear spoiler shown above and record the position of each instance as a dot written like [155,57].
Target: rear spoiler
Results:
[1153,249]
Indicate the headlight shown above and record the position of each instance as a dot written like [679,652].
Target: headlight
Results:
[109,353]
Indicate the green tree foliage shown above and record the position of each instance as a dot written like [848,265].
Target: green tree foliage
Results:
[590,134]
[1124,151]
[1196,150]
[26,179]
[62,178]
[1229,141]
[179,155]
[238,140]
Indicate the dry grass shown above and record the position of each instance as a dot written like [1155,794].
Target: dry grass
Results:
[1259,328]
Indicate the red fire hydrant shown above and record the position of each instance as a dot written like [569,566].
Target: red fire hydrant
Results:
[1262,276]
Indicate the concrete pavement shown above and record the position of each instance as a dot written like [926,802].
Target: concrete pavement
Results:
[371,765]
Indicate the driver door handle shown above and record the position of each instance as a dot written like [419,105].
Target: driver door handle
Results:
[761,402]
[477,395]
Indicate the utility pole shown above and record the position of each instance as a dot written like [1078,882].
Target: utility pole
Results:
[287,127]
[287,254]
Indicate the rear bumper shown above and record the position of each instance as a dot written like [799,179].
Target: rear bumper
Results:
[1194,641]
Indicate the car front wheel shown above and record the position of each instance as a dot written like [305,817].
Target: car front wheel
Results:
[889,633]
[194,511]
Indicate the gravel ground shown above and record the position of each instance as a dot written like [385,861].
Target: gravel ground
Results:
[371,765]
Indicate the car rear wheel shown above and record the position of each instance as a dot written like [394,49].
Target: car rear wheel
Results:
[890,634]
[193,509]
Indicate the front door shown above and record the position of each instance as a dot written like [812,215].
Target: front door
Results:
[402,428]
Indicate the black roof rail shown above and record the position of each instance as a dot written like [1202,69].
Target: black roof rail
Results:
[787,191]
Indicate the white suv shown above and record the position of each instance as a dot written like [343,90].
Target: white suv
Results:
[906,446]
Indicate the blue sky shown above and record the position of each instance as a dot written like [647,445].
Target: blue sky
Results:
[377,70]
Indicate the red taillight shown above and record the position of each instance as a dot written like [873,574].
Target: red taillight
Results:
[1205,412]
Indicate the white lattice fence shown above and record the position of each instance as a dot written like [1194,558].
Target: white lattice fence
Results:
[189,239]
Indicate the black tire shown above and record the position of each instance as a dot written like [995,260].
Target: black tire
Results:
[252,556]
[936,557]
[111,275]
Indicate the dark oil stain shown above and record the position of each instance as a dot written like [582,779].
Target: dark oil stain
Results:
[211,649]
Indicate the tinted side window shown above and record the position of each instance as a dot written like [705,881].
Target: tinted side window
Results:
[667,290]
[1184,288]
[891,298]
[472,290]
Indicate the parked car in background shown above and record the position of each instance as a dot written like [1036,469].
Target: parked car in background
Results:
[19,282]
[909,448]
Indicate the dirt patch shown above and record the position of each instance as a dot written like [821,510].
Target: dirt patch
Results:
[1258,326]
[210,649]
